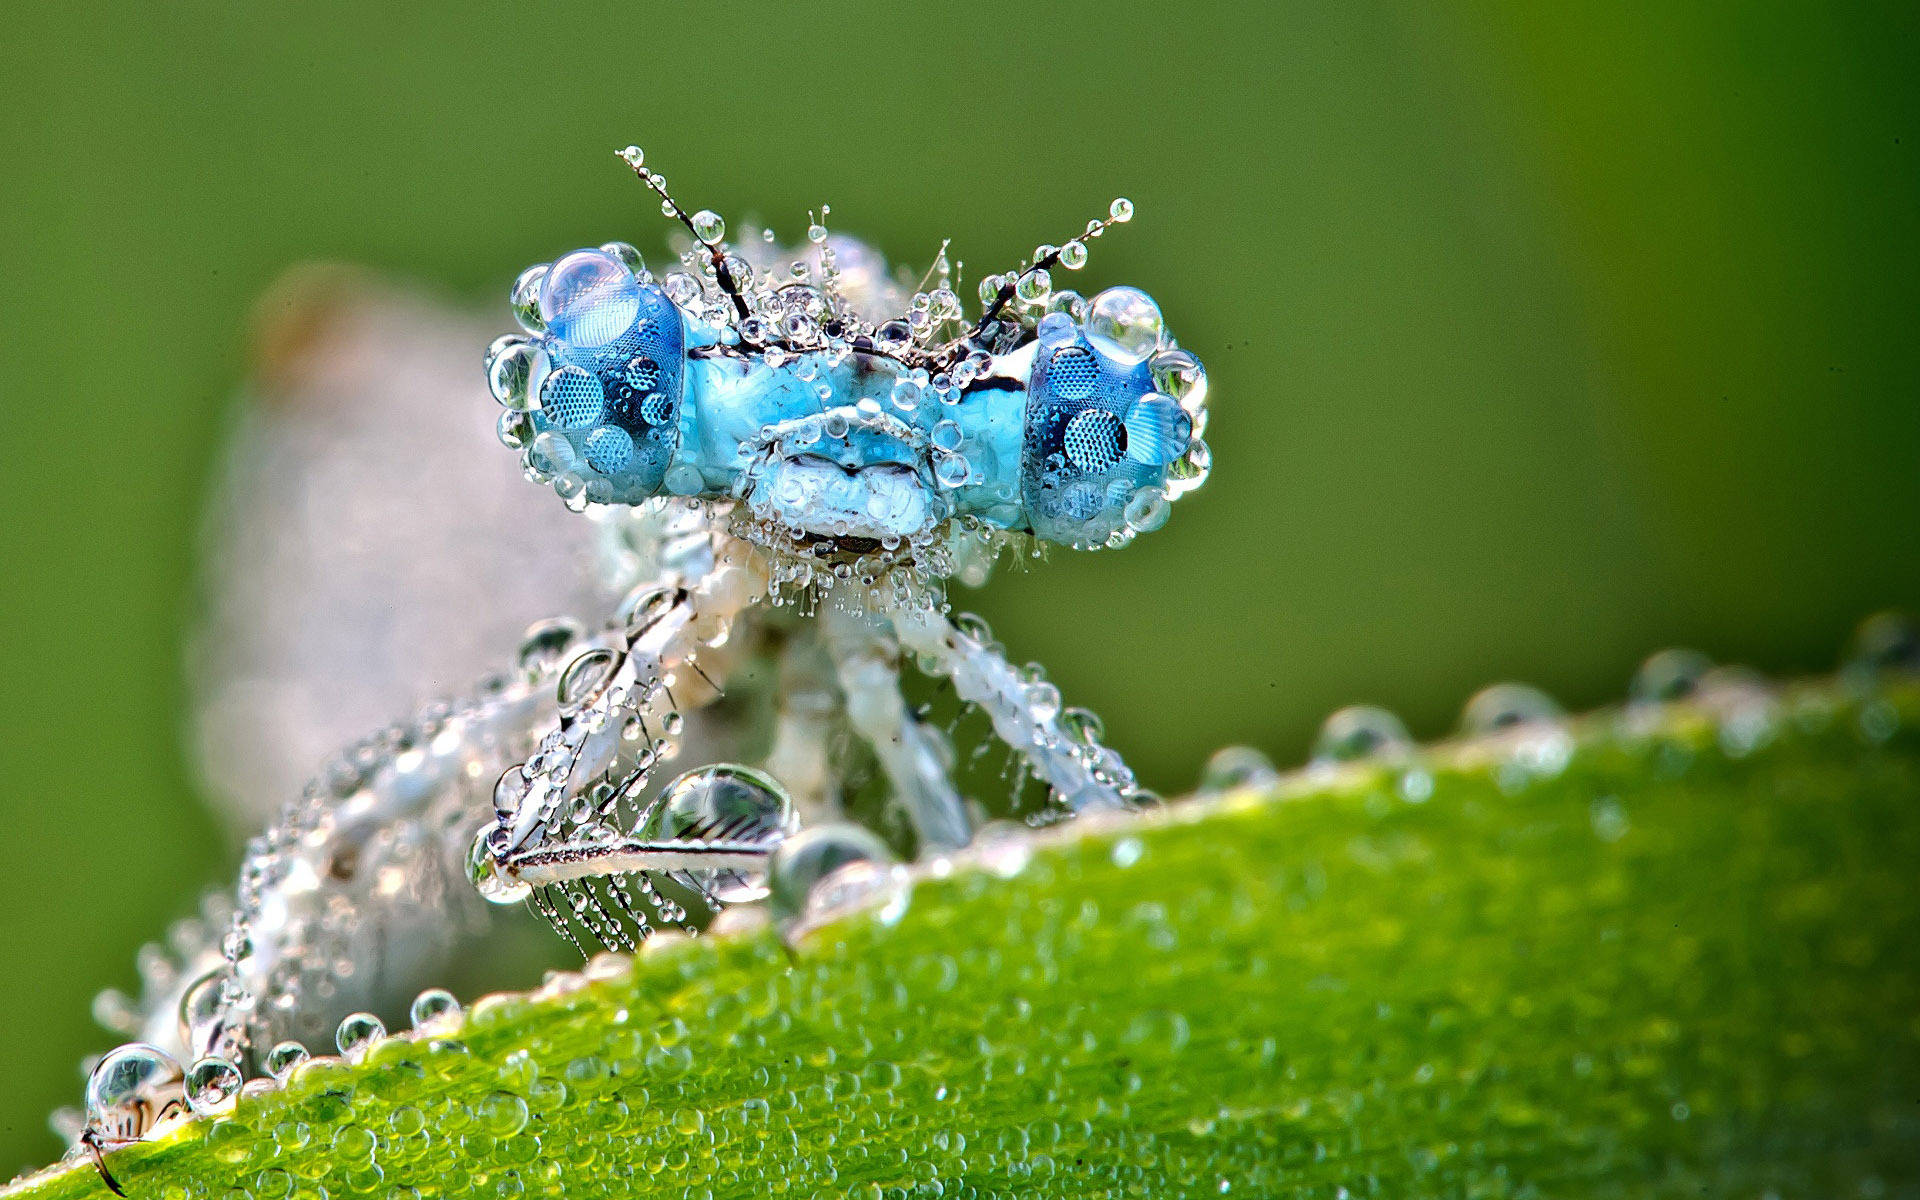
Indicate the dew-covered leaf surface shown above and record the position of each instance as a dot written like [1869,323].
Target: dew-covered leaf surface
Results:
[1675,963]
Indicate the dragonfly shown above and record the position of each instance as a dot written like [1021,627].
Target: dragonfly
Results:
[791,455]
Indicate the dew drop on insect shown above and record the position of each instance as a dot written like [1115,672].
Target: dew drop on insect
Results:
[1073,255]
[722,802]
[544,646]
[431,1007]
[1082,725]
[589,298]
[284,1058]
[510,370]
[357,1034]
[708,227]
[1147,510]
[1668,675]
[514,430]
[950,470]
[130,1087]
[483,871]
[1232,768]
[524,299]
[1034,286]
[213,1084]
[1358,732]
[816,233]
[1127,323]
[1055,329]
[1180,375]
[201,1016]
[1506,705]
[808,858]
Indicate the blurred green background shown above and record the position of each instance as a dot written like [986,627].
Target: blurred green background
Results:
[1542,336]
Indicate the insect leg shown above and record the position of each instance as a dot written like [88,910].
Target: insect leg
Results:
[808,716]
[575,813]
[1060,746]
[865,659]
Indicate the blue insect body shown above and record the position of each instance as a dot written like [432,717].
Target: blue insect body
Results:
[1070,420]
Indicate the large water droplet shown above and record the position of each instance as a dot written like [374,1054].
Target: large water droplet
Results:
[131,1088]
[1358,732]
[809,857]
[589,298]
[1127,324]
[723,802]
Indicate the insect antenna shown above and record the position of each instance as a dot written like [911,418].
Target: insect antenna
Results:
[1073,253]
[636,159]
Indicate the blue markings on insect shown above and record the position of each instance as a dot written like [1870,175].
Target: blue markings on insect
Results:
[1072,420]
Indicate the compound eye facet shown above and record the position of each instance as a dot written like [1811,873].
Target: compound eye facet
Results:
[600,381]
[1101,439]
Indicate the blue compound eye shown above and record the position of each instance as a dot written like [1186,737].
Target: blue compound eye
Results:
[1101,438]
[601,381]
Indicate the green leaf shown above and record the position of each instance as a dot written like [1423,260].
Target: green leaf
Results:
[1675,954]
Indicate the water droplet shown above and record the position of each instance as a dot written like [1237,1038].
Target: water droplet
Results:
[524,299]
[131,1088]
[357,1034]
[487,877]
[202,1017]
[512,362]
[708,226]
[503,1114]
[586,677]
[285,1058]
[435,1006]
[1669,675]
[213,1084]
[1121,210]
[544,646]
[1358,732]
[589,298]
[809,857]
[1127,324]
[1505,705]
[722,802]
[1073,255]
[1235,767]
